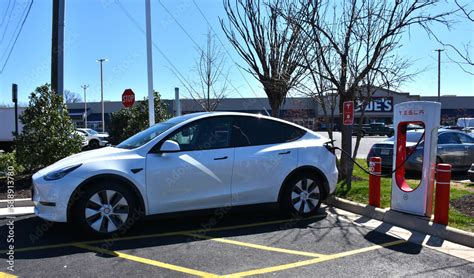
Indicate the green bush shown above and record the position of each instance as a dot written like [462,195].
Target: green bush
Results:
[9,159]
[129,121]
[48,133]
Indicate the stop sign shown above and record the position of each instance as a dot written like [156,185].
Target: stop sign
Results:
[128,98]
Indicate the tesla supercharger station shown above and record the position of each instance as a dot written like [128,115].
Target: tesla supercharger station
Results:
[417,200]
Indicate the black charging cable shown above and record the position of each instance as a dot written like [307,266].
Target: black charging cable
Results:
[332,148]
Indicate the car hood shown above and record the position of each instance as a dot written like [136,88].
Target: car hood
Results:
[83,157]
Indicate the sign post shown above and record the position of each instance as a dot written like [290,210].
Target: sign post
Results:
[128,98]
[348,112]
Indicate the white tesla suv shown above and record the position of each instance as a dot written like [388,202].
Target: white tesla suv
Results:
[192,162]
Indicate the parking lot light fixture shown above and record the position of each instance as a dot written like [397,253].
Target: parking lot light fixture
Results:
[101,61]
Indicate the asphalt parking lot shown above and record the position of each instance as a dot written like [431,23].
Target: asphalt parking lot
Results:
[366,142]
[223,243]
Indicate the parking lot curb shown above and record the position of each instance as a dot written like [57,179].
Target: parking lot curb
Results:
[26,202]
[17,211]
[407,221]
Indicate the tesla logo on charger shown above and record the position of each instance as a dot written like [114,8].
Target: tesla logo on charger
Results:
[411,112]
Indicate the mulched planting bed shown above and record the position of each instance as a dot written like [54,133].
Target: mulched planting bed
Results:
[22,187]
[464,205]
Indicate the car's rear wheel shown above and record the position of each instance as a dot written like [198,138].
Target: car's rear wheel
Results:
[302,194]
[106,209]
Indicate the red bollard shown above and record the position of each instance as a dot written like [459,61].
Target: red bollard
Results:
[443,184]
[375,168]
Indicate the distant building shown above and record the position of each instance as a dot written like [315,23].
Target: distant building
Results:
[301,110]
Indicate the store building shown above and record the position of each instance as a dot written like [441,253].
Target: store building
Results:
[301,110]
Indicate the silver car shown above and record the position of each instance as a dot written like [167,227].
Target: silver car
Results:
[454,147]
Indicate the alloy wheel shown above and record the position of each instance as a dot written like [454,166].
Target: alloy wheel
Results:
[106,211]
[305,195]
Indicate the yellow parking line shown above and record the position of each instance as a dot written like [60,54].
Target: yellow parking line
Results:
[6,275]
[313,261]
[256,246]
[42,247]
[147,261]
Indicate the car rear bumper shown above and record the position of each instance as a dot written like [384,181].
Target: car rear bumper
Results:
[410,164]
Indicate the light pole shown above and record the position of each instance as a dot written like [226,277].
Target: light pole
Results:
[439,74]
[149,60]
[85,104]
[101,61]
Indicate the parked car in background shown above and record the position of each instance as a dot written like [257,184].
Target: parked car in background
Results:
[94,139]
[470,173]
[454,147]
[465,122]
[373,129]
[469,130]
[192,162]
[85,142]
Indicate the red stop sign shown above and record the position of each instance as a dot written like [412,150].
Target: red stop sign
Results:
[128,98]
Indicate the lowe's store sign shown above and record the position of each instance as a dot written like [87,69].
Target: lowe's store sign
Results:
[377,104]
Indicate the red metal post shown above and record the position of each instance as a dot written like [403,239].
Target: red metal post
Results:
[375,168]
[443,184]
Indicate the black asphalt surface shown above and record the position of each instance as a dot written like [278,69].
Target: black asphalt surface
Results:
[324,235]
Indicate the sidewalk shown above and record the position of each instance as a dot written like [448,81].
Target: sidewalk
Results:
[403,220]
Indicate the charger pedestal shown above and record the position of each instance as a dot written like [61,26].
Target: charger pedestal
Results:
[418,200]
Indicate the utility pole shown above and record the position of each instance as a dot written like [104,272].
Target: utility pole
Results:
[57,48]
[149,60]
[15,100]
[101,61]
[85,104]
[439,74]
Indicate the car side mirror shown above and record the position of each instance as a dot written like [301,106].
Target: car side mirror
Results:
[169,146]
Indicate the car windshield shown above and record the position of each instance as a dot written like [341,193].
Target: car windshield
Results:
[150,133]
[91,131]
[412,137]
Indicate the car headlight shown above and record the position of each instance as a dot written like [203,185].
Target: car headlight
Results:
[58,174]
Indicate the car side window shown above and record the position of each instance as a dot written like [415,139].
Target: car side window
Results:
[448,138]
[252,131]
[465,139]
[205,134]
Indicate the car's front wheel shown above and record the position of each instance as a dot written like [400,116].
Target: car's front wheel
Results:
[94,144]
[106,209]
[302,195]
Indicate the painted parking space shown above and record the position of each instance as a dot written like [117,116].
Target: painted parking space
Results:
[242,244]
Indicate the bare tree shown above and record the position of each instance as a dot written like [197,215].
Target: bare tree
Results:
[71,97]
[271,48]
[337,34]
[461,53]
[213,83]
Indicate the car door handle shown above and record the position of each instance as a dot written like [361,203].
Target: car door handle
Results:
[287,152]
[221,158]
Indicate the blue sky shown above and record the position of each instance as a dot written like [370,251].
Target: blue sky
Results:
[100,29]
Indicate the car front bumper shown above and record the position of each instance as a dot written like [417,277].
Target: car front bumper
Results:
[103,143]
[51,198]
